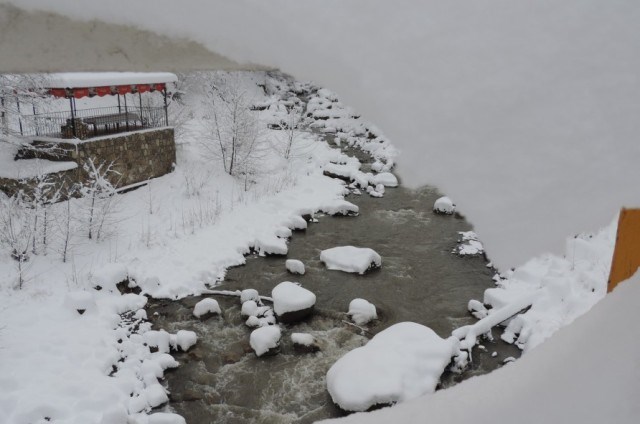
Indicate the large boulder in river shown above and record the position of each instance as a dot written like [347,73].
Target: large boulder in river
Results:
[351,259]
[291,302]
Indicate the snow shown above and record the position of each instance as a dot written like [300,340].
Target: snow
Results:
[102,79]
[206,306]
[28,168]
[304,339]
[184,339]
[469,244]
[351,259]
[362,311]
[265,338]
[294,266]
[387,179]
[249,308]
[398,364]
[249,294]
[444,205]
[339,207]
[291,297]
[582,382]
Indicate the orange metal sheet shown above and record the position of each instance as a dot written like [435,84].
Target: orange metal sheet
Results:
[626,255]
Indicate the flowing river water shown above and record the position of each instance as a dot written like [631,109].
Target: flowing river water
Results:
[220,380]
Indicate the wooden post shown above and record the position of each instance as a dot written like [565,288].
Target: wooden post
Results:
[126,112]
[73,117]
[626,255]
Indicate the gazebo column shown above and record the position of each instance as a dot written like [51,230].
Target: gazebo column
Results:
[72,104]
[166,114]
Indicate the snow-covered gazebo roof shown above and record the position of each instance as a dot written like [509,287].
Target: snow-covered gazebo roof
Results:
[82,84]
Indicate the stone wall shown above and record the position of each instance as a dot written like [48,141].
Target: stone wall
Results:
[136,156]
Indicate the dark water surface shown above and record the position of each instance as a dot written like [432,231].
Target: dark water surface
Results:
[222,381]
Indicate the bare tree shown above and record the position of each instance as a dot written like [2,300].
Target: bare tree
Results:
[16,230]
[100,193]
[231,128]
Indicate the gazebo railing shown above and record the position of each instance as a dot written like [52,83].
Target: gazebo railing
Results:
[87,123]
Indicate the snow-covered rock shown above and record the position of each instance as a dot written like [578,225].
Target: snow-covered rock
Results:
[340,207]
[361,311]
[249,309]
[469,244]
[249,294]
[351,259]
[291,302]
[400,363]
[444,205]
[183,339]
[304,342]
[205,307]
[295,266]
[265,340]
[385,178]
[269,244]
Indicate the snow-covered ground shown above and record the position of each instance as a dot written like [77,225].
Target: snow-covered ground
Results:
[173,238]
[178,235]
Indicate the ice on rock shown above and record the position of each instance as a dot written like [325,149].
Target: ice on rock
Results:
[351,259]
[265,340]
[295,266]
[291,302]
[362,311]
[373,192]
[249,294]
[400,363]
[444,205]
[206,306]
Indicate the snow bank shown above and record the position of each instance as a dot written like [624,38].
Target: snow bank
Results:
[206,306]
[400,363]
[362,311]
[387,179]
[295,266]
[444,205]
[563,288]
[351,259]
[290,298]
[265,339]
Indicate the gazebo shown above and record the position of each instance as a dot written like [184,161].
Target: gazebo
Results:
[115,118]
[120,115]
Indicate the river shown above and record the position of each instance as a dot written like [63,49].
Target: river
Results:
[221,380]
